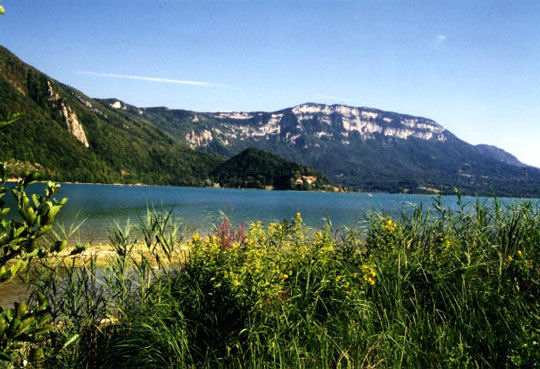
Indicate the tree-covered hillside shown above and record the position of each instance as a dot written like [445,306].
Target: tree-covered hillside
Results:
[361,148]
[254,168]
[120,148]
[72,137]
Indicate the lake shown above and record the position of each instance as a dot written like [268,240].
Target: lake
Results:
[97,207]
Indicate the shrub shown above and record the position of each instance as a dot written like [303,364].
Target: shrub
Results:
[437,288]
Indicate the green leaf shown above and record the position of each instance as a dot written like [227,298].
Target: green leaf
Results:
[44,319]
[3,326]
[3,354]
[46,328]
[78,249]
[12,331]
[54,210]
[35,199]
[16,267]
[29,215]
[36,355]
[42,303]
[10,313]
[18,231]
[31,178]
[25,324]
[70,341]
[59,246]
[24,201]
[21,309]
[44,229]
[5,276]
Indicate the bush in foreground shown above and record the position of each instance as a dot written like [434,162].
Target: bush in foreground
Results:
[437,288]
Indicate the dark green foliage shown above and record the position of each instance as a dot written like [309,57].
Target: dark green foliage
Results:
[254,168]
[130,145]
[21,241]
[500,155]
[462,286]
[386,164]
[122,148]
[23,327]
[438,288]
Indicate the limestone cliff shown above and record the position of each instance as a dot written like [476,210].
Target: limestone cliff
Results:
[74,126]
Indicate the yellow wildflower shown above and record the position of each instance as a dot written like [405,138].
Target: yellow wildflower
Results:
[388,224]
[196,237]
[298,217]
[519,252]
[369,274]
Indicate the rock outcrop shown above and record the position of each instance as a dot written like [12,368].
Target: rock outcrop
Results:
[70,117]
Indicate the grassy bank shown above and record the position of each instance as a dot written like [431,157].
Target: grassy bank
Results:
[436,288]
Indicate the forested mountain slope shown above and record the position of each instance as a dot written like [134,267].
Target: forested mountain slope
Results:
[362,148]
[72,137]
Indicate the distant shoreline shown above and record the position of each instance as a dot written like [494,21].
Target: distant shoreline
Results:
[369,193]
[14,180]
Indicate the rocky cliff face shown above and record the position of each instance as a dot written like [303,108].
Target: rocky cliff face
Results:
[361,148]
[70,118]
[337,123]
[69,136]
[358,147]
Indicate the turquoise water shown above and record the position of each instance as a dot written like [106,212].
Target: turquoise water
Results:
[99,206]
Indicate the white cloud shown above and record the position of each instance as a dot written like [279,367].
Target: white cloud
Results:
[154,79]
[439,40]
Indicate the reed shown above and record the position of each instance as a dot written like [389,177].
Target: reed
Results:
[435,288]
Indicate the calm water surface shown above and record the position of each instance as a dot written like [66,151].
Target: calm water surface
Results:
[99,206]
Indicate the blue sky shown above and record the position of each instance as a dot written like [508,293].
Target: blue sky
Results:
[473,66]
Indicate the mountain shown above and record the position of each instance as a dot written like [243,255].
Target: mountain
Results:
[500,155]
[72,137]
[362,148]
[254,168]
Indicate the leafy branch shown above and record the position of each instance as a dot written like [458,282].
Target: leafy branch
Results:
[15,117]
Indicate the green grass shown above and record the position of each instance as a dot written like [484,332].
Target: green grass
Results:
[436,288]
